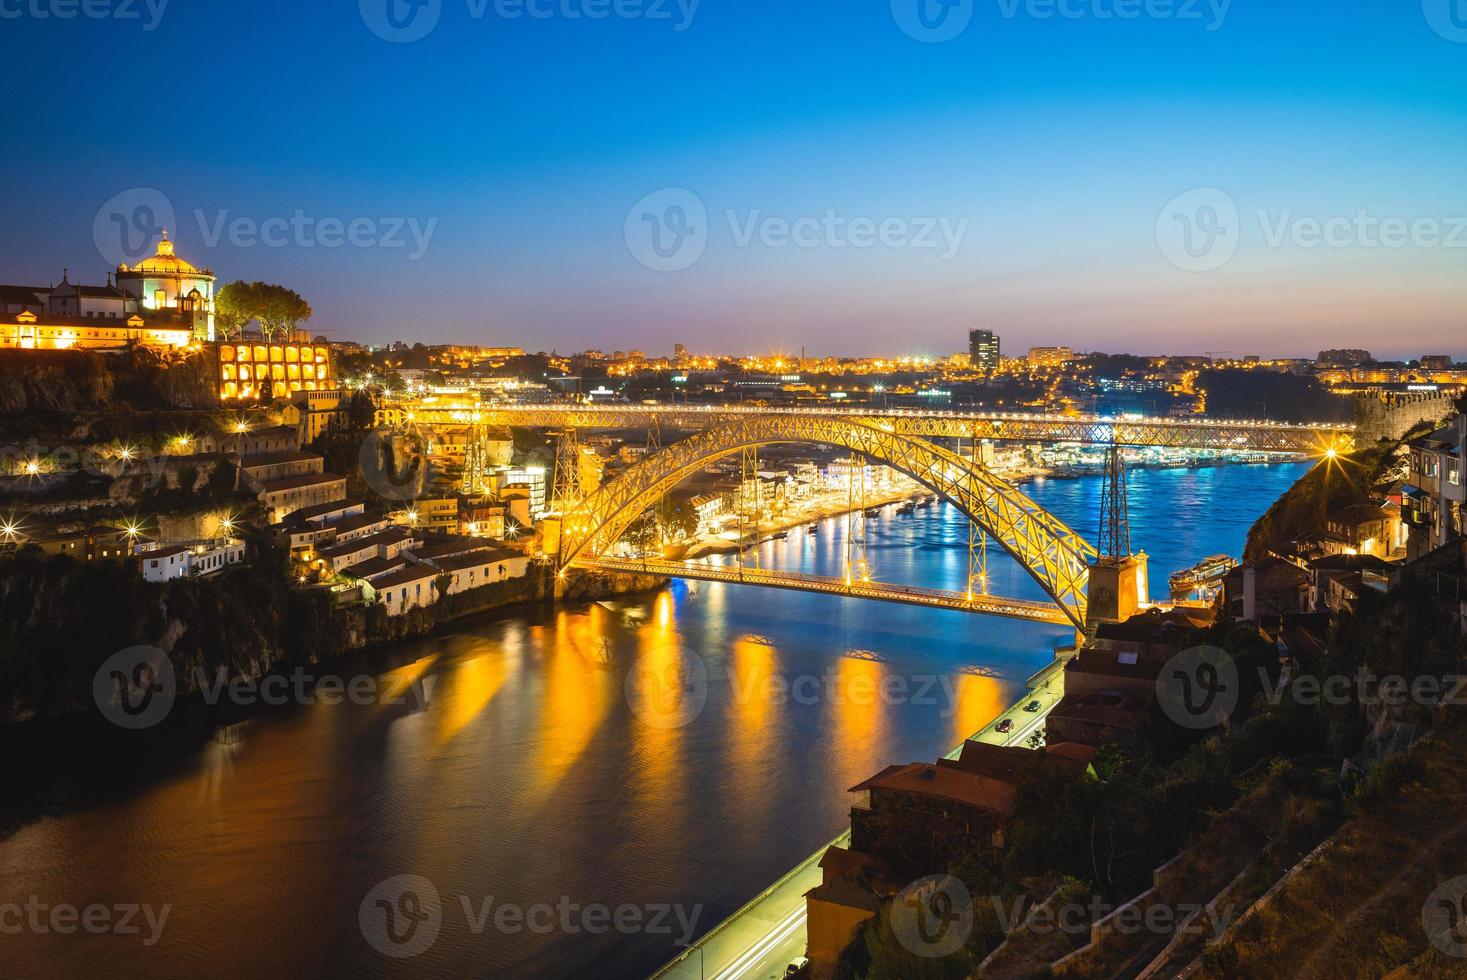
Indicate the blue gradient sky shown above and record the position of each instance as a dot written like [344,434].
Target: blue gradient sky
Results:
[1059,140]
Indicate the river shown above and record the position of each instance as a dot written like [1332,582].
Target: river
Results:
[531,780]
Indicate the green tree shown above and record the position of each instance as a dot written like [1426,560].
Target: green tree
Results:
[234,307]
[280,309]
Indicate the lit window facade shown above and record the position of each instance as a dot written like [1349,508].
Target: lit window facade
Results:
[254,371]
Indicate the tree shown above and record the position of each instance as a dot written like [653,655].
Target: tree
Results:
[678,520]
[276,309]
[280,309]
[234,306]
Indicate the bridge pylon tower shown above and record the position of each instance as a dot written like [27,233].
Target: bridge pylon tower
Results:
[858,567]
[1117,585]
[566,493]
[749,504]
[977,543]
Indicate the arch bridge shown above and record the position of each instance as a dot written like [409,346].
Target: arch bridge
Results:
[1054,555]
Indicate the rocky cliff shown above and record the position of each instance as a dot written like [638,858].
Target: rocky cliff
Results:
[41,382]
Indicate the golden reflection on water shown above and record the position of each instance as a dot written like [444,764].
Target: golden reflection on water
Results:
[977,700]
[657,745]
[468,691]
[751,679]
[395,683]
[858,709]
[574,701]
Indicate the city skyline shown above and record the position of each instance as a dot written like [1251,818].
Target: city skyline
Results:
[508,208]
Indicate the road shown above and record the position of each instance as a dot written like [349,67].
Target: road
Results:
[760,940]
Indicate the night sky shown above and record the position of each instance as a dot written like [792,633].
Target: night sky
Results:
[853,176]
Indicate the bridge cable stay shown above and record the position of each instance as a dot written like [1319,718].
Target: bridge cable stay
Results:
[977,543]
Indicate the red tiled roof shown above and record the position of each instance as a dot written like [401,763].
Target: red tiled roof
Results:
[945,783]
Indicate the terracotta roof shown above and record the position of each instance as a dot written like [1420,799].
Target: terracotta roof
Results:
[405,576]
[1011,763]
[355,522]
[306,514]
[1109,708]
[275,458]
[21,295]
[304,480]
[945,783]
[374,567]
[471,559]
[387,536]
[1139,665]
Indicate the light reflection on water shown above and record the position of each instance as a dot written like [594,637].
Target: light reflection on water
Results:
[528,776]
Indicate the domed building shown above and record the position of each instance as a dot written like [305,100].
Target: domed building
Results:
[165,282]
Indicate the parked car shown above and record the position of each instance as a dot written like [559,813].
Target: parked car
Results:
[1032,706]
[1005,726]
[793,970]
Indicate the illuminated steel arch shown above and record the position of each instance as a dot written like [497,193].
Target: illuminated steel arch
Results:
[1053,554]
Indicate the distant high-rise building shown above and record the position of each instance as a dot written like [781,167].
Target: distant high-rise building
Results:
[983,350]
[1436,362]
[679,352]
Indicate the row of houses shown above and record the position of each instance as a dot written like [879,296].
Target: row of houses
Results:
[915,819]
[391,564]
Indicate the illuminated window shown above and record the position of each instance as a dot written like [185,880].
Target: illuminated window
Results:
[226,352]
[160,299]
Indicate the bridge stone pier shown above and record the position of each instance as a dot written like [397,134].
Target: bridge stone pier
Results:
[1117,589]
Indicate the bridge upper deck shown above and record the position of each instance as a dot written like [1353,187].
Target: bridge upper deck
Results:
[1179,433]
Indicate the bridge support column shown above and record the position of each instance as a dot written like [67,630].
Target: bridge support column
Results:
[1117,589]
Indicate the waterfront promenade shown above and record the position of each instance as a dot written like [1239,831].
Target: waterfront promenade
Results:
[760,940]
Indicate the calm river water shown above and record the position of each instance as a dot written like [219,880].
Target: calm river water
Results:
[529,780]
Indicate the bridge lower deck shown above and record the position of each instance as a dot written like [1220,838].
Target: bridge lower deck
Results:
[1026,609]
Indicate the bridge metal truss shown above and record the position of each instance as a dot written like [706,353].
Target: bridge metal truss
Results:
[1026,609]
[1053,554]
[1272,437]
